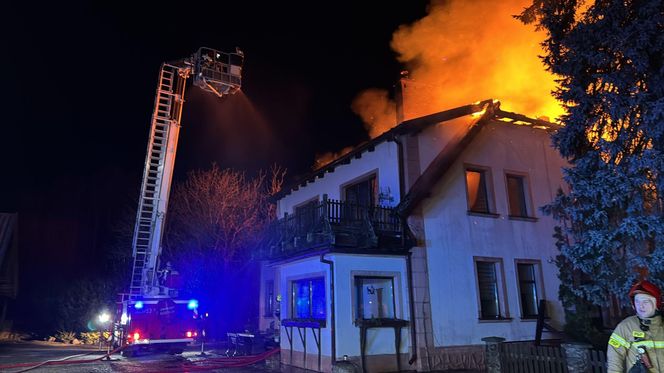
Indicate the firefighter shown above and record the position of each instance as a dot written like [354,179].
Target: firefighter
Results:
[637,343]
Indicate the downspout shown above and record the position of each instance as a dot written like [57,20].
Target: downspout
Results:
[402,181]
[409,269]
[411,299]
[332,314]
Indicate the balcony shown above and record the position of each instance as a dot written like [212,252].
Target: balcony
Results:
[337,226]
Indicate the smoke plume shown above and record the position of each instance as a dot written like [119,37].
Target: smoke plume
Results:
[462,52]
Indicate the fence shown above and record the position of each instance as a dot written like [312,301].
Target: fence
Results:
[597,361]
[527,358]
[521,357]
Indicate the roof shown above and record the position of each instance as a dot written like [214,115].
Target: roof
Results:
[422,187]
[482,110]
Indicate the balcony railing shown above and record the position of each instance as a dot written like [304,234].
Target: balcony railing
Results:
[336,224]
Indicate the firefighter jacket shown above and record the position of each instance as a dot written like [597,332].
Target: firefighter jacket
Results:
[627,338]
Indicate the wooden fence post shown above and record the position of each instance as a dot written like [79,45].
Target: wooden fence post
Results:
[577,356]
[492,352]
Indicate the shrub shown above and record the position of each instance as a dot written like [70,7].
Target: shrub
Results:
[90,338]
[64,336]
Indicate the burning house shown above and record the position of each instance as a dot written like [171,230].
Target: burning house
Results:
[408,250]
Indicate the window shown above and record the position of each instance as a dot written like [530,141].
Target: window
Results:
[268,305]
[375,297]
[518,195]
[528,275]
[308,297]
[362,193]
[490,288]
[305,215]
[478,190]
[360,198]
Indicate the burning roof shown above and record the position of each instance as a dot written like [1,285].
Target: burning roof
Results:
[482,111]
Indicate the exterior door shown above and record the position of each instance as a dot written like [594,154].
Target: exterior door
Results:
[360,199]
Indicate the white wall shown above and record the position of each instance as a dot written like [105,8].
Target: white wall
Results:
[434,138]
[266,274]
[284,274]
[379,341]
[384,161]
[453,237]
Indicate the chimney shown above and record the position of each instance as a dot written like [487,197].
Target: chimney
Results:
[398,95]
[414,99]
[405,102]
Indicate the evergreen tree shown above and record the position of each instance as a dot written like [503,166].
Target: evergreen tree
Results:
[608,55]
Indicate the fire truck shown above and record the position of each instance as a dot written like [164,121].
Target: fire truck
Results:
[152,314]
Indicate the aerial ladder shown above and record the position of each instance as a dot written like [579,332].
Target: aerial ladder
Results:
[213,71]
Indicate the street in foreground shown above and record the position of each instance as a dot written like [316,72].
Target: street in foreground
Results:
[14,353]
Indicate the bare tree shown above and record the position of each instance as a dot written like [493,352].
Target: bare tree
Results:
[221,214]
[217,219]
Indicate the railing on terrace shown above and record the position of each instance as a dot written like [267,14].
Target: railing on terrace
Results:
[335,223]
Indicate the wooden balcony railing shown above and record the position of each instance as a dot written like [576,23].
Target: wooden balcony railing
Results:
[336,224]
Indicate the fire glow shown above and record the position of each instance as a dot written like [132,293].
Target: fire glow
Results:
[463,51]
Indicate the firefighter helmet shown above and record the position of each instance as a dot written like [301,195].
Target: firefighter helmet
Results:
[646,287]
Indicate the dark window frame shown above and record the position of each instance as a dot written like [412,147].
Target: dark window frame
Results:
[359,295]
[305,214]
[268,301]
[360,206]
[485,187]
[500,291]
[519,202]
[372,179]
[537,282]
[311,298]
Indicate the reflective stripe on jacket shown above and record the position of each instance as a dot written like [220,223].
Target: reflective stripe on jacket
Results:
[628,337]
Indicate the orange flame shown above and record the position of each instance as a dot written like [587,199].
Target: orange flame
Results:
[325,158]
[463,51]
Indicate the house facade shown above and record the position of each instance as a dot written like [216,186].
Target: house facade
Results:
[407,251]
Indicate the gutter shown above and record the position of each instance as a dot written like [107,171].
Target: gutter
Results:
[411,300]
[332,314]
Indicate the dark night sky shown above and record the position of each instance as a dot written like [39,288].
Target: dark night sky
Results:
[82,79]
